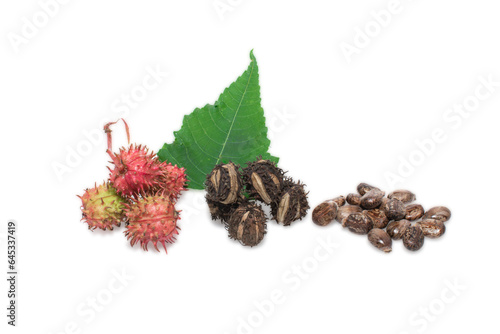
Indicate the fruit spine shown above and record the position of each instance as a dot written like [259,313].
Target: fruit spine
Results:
[138,171]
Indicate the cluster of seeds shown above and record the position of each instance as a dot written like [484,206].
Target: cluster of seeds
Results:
[384,218]
[232,193]
[141,191]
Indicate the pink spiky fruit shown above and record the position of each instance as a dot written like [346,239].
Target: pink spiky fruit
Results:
[152,218]
[102,207]
[138,171]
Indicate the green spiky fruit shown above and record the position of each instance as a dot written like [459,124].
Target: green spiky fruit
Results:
[102,207]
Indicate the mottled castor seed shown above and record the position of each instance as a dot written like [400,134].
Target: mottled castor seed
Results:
[358,223]
[413,239]
[380,239]
[378,217]
[345,211]
[439,212]
[397,229]
[414,211]
[325,213]
[432,228]
[372,199]
[404,196]
[353,199]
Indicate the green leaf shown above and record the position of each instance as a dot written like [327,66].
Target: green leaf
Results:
[233,129]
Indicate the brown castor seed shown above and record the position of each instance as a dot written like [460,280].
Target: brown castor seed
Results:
[413,239]
[325,213]
[397,229]
[432,228]
[439,212]
[354,199]
[414,211]
[378,217]
[358,223]
[380,239]
[363,188]
[372,199]
[344,211]
[339,200]
[394,209]
[404,196]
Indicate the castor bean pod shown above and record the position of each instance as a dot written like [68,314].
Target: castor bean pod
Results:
[358,223]
[432,228]
[224,184]
[263,180]
[413,239]
[247,224]
[404,196]
[397,229]
[293,204]
[380,239]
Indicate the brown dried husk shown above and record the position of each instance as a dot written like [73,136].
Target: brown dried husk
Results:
[224,184]
[263,180]
[247,224]
[293,204]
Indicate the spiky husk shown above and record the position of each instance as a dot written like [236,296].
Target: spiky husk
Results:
[224,184]
[263,180]
[220,211]
[102,207]
[247,224]
[292,205]
[137,171]
[152,218]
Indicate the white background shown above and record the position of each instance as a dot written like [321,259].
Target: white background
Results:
[334,124]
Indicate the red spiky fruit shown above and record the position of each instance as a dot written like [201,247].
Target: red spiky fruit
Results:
[138,171]
[152,218]
[102,207]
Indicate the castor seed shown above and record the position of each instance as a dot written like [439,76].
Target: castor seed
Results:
[397,229]
[439,212]
[372,199]
[395,209]
[358,223]
[363,188]
[404,196]
[345,211]
[414,211]
[413,239]
[380,239]
[378,217]
[325,213]
[354,199]
[339,200]
[432,228]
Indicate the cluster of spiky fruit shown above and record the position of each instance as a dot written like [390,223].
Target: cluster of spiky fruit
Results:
[141,191]
[232,192]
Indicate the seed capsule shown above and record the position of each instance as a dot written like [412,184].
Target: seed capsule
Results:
[413,239]
[345,211]
[247,224]
[293,204]
[397,229]
[432,228]
[339,200]
[372,199]
[220,211]
[414,211]
[358,223]
[263,180]
[439,212]
[395,209]
[325,213]
[404,196]
[363,188]
[378,218]
[224,184]
[380,239]
[354,199]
